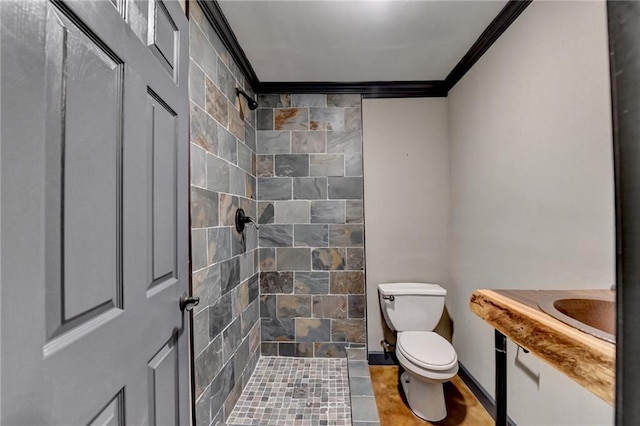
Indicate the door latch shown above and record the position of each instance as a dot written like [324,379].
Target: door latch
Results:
[187,303]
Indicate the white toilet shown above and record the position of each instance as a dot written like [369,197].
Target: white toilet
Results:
[414,310]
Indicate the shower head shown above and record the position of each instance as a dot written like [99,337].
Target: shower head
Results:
[250,102]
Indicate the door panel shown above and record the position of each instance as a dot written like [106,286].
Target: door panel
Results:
[163,374]
[163,144]
[163,36]
[112,414]
[88,104]
[84,122]
[93,215]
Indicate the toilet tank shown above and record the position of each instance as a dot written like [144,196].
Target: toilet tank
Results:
[411,306]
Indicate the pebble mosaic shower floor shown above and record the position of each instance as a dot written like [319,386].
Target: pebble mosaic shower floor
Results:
[295,391]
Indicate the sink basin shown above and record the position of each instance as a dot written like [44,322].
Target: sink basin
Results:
[592,315]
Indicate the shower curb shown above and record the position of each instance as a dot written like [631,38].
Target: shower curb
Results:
[364,411]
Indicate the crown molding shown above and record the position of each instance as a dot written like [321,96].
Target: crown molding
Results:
[218,21]
[496,28]
[368,89]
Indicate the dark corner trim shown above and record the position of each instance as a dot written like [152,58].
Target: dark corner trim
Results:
[499,25]
[368,89]
[216,18]
[480,392]
[378,358]
[624,51]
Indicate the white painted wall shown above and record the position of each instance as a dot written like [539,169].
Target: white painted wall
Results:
[532,191]
[406,197]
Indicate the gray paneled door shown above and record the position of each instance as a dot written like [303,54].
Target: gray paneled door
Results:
[94,205]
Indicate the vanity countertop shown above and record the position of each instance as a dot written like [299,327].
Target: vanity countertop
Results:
[586,359]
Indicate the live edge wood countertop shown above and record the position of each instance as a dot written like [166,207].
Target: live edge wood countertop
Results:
[515,313]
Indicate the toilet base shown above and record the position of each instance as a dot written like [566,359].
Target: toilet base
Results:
[425,398]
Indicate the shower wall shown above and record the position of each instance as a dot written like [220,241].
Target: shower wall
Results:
[224,264]
[310,211]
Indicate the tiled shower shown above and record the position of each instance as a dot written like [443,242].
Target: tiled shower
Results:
[226,324]
[311,239]
[296,287]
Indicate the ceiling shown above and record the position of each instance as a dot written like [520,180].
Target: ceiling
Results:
[347,41]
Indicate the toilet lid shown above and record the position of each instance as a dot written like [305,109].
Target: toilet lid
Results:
[427,349]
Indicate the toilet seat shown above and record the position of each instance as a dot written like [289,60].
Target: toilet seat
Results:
[427,350]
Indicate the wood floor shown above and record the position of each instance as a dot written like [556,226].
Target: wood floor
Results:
[463,408]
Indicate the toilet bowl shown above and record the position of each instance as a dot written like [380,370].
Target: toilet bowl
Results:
[429,360]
